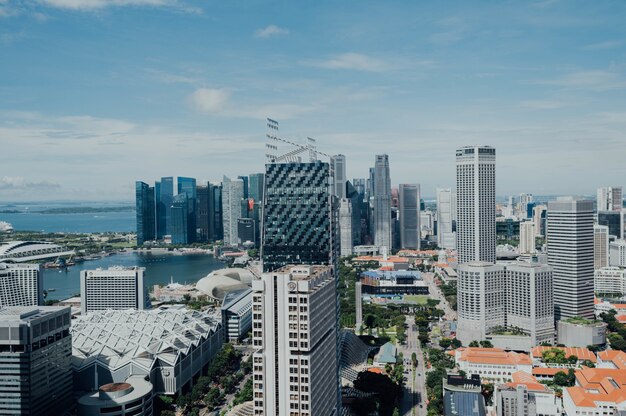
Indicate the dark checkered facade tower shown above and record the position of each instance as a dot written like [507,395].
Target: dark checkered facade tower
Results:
[299,216]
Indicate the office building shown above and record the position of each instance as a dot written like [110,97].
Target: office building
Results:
[246,231]
[338,163]
[164,209]
[300,222]
[256,184]
[232,195]
[409,210]
[382,202]
[617,253]
[615,221]
[609,282]
[600,246]
[179,219]
[20,285]
[237,314]
[609,198]
[356,205]
[188,187]
[526,396]
[463,396]
[145,210]
[294,335]
[476,203]
[481,300]
[169,346]
[539,218]
[570,253]
[113,288]
[204,214]
[217,213]
[35,351]
[345,227]
[246,188]
[446,235]
[527,238]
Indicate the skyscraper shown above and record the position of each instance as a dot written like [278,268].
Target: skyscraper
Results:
[446,237]
[299,221]
[117,288]
[187,186]
[179,217]
[36,353]
[476,203]
[345,226]
[217,213]
[232,195]
[409,206]
[600,246]
[527,238]
[145,213]
[382,202]
[165,205]
[570,253]
[246,189]
[20,285]
[610,198]
[204,222]
[257,181]
[294,312]
[615,220]
[338,163]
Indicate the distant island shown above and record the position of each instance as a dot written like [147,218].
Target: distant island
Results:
[72,210]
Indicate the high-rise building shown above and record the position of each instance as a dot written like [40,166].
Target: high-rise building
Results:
[382,202]
[527,238]
[446,237]
[409,205]
[539,218]
[188,187]
[476,203]
[232,195]
[570,253]
[617,253]
[609,198]
[600,246]
[524,201]
[217,213]
[481,300]
[246,231]
[356,205]
[246,189]
[36,352]
[145,212]
[299,219]
[116,288]
[256,184]
[165,206]
[294,336]
[179,219]
[615,220]
[338,163]
[345,227]
[204,221]
[20,285]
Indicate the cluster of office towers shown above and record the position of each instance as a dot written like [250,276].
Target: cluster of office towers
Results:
[528,297]
[229,211]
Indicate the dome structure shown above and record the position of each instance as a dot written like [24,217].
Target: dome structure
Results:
[219,282]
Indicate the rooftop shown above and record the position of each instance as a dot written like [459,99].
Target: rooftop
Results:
[616,357]
[581,353]
[595,385]
[492,356]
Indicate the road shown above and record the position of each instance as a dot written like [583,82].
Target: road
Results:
[435,293]
[414,389]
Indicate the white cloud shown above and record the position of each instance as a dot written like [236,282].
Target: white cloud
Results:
[609,44]
[19,183]
[542,104]
[209,100]
[271,31]
[596,80]
[91,5]
[351,60]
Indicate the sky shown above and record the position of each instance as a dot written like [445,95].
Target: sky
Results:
[96,94]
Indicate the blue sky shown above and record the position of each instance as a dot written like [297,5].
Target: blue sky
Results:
[95,94]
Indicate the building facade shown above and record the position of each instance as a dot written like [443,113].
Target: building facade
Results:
[256,184]
[145,210]
[345,227]
[476,203]
[570,253]
[35,351]
[338,163]
[299,216]
[610,282]
[164,208]
[20,285]
[409,205]
[294,335]
[187,186]
[615,220]
[617,253]
[600,246]
[232,195]
[527,238]
[446,235]
[382,202]
[115,288]
[609,198]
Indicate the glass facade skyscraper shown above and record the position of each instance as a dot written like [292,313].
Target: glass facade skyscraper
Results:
[179,215]
[187,186]
[165,205]
[299,219]
[256,184]
[145,212]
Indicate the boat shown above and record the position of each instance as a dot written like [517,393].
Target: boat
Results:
[51,289]
[5,227]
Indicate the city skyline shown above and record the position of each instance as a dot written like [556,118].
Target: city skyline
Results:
[530,80]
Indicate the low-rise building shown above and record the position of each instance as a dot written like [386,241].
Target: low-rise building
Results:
[492,364]
[617,253]
[237,314]
[597,392]
[609,281]
[612,359]
[580,332]
[525,396]
[132,397]
[582,354]
[463,396]
[381,282]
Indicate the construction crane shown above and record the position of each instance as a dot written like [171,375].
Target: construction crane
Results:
[273,140]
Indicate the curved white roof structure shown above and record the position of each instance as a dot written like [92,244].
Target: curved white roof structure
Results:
[23,251]
[219,282]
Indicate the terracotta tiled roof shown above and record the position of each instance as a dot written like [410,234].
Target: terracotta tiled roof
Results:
[546,371]
[581,353]
[618,358]
[525,379]
[494,356]
[605,385]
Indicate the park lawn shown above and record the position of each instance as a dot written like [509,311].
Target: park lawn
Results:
[419,299]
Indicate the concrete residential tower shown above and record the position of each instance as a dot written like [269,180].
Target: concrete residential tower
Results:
[409,204]
[476,203]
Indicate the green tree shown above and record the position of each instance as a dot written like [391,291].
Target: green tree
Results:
[474,344]
[445,343]
[455,343]
[486,344]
